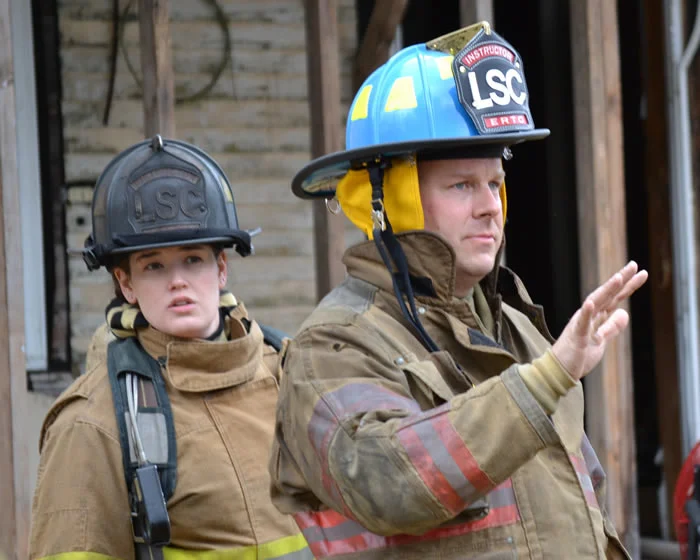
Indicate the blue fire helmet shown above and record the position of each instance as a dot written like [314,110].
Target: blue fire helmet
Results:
[461,95]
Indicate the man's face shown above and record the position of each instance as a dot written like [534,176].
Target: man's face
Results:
[176,288]
[461,202]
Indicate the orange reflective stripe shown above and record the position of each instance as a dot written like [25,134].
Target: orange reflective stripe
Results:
[338,404]
[332,534]
[595,469]
[585,481]
[443,461]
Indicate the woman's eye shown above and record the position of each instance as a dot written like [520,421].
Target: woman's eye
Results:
[193,259]
[153,266]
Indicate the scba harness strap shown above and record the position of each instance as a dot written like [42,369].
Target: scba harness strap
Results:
[147,437]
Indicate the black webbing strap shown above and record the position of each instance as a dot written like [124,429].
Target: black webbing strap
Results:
[389,247]
[125,356]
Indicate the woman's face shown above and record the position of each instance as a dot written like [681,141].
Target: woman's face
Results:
[176,288]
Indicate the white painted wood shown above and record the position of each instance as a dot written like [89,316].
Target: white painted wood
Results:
[36,346]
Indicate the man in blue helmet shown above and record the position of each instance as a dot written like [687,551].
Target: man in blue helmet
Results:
[426,411]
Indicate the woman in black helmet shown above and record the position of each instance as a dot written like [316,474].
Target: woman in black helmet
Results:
[160,449]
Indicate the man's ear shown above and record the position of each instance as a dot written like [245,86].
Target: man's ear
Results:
[125,284]
[221,261]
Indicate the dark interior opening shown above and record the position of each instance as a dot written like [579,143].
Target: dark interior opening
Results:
[48,98]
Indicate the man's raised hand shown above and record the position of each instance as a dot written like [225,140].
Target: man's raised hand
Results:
[583,341]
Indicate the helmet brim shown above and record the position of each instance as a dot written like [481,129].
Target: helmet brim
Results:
[223,241]
[240,240]
[319,178]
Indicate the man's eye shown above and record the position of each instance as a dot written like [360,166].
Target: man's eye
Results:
[495,186]
[153,266]
[460,186]
[193,259]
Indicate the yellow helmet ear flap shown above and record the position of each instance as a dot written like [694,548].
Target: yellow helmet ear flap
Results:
[504,201]
[401,197]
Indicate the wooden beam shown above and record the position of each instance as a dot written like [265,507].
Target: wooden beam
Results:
[381,30]
[473,11]
[323,74]
[603,245]
[661,255]
[14,489]
[157,68]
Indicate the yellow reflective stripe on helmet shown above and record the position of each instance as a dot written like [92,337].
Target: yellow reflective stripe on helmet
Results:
[79,556]
[402,95]
[359,111]
[287,548]
[444,65]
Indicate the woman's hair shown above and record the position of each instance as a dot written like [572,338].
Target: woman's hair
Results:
[123,263]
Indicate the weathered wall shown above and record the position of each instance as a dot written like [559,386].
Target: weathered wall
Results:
[255,123]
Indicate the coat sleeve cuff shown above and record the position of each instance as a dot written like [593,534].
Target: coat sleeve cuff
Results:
[547,380]
[529,405]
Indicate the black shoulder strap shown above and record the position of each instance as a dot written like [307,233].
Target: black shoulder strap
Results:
[155,422]
[272,336]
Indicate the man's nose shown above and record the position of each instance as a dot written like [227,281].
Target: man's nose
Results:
[487,201]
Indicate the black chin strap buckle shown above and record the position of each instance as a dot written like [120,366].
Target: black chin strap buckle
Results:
[376,169]
[378,216]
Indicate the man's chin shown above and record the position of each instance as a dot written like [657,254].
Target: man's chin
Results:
[477,268]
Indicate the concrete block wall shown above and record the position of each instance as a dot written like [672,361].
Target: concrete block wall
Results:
[255,123]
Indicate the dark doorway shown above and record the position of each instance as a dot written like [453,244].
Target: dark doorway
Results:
[48,97]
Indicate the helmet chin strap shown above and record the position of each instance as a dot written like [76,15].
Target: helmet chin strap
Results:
[391,251]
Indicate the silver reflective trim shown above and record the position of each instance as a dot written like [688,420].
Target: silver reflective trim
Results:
[303,554]
[154,436]
[345,530]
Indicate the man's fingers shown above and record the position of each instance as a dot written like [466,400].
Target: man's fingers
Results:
[636,282]
[619,286]
[615,324]
[582,326]
[628,271]
[605,294]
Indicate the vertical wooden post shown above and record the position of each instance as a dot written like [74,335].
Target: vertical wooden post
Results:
[603,245]
[473,11]
[157,68]
[14,489]
[380,33]
[661,254]
[323,76]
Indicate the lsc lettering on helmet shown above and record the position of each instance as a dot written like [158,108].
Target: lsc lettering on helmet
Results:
[501,84]
[168,201]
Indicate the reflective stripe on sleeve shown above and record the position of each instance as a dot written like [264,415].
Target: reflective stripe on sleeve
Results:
[346,401]
[332,534]
[584,479]
[595,469]
[443,461]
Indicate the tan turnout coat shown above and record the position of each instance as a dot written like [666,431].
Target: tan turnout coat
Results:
[387,451]
[223,397]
